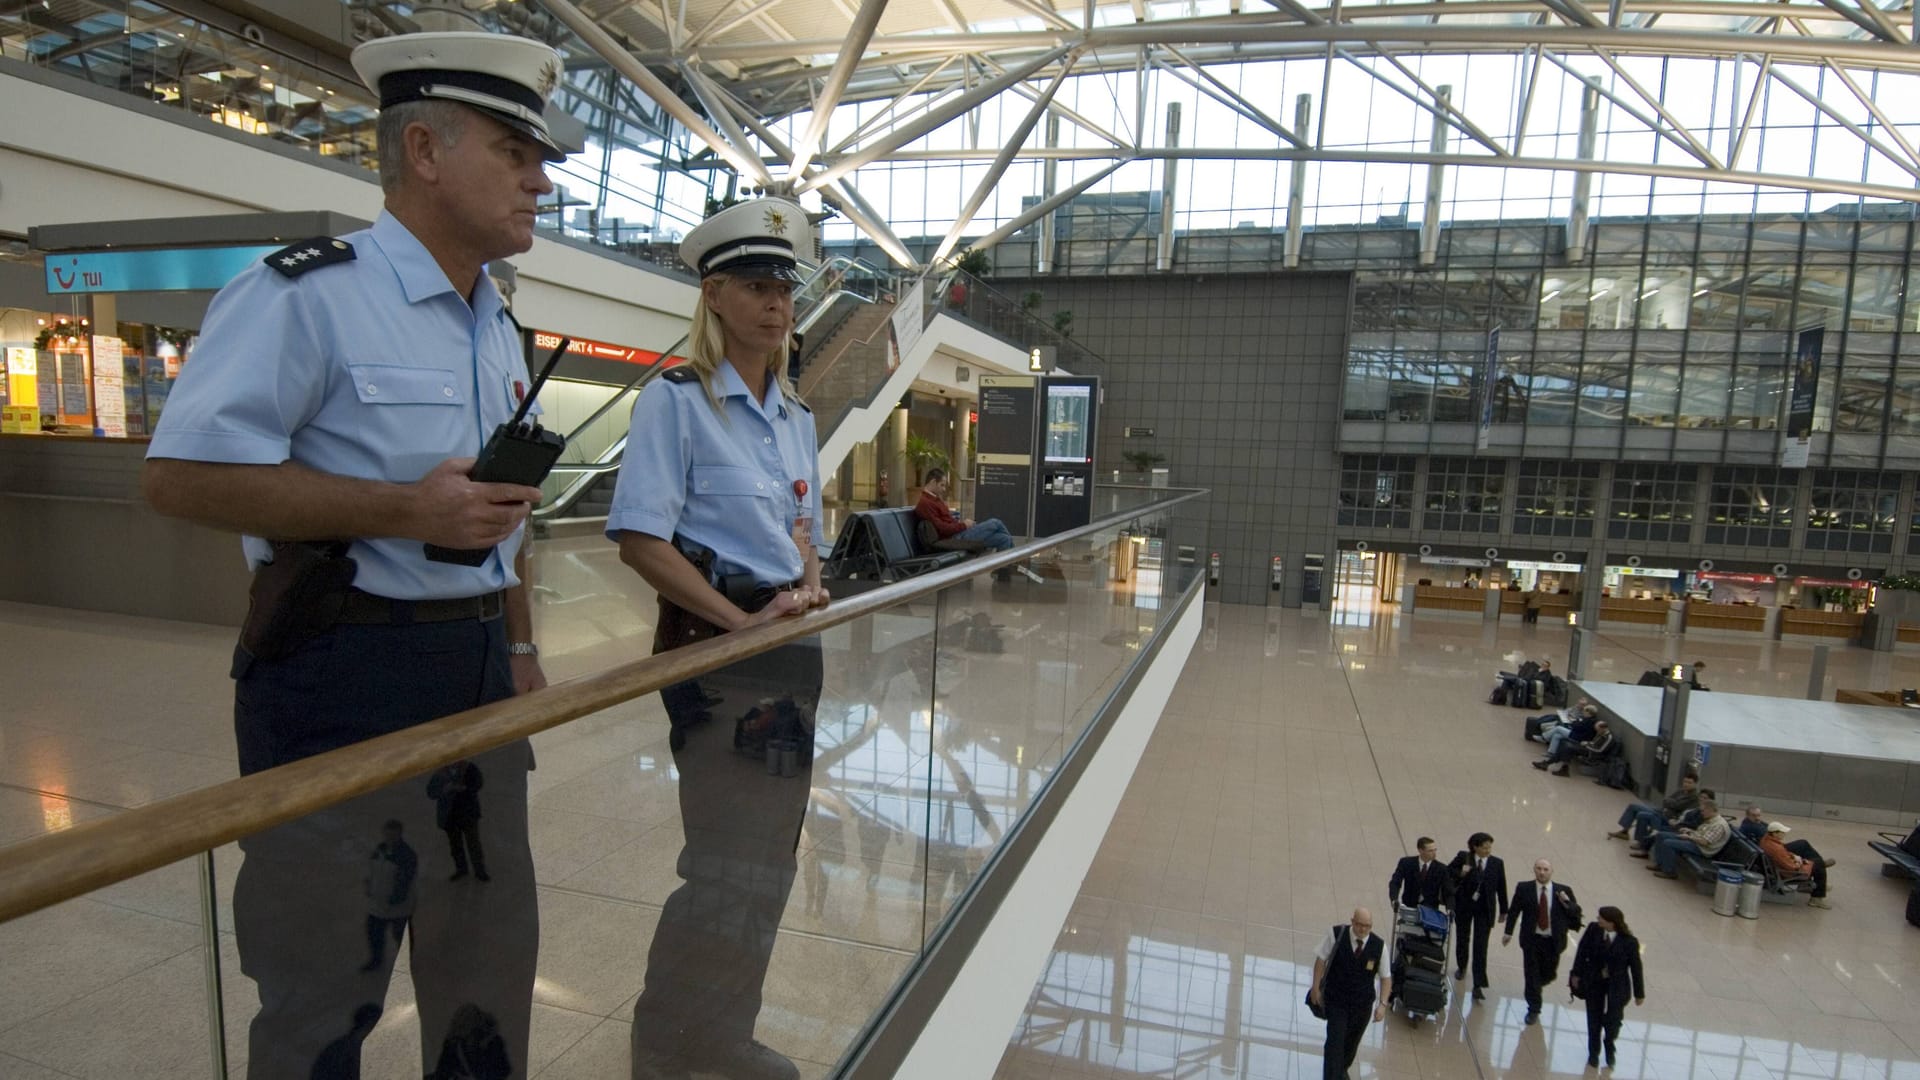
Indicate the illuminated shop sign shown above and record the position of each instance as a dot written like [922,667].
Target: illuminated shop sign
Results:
[544,341]
[1644,571]
[162,270]
[1546,567]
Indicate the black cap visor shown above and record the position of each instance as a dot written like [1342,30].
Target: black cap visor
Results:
[760,266]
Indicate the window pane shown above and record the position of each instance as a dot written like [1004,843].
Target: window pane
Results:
[1703,394]
[1603,390]
[1656,392]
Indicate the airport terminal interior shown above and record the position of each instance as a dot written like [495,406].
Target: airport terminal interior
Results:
[1332,367]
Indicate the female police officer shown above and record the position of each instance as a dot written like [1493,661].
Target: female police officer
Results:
[718,508]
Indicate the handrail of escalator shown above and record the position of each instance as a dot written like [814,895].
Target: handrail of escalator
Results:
[38,873]
[608,459]
[649,374]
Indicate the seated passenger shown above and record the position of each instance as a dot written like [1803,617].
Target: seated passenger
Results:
[1802,863]
[1560,762]
[1640,820]
[1580,728]
[1642,848]
[1753,826]
[1705,840]
[933,508]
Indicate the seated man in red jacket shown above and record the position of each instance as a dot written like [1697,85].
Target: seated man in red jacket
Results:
[933,508]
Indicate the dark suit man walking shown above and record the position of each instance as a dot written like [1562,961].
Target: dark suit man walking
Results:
[1419,879]
[1548,912]
[1479,890]
[1344,973]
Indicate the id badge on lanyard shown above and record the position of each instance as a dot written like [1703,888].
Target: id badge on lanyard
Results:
[802,520]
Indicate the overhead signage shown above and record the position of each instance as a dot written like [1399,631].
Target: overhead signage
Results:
[1644,571]
[157,270]
[1806,386]
[1558,567]
[595,350]
[1737,579]
[1451,560]
[1831,583]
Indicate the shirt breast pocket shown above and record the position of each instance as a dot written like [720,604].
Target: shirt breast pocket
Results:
[730,481]
[394,384]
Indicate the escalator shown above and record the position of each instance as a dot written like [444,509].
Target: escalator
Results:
[835,310]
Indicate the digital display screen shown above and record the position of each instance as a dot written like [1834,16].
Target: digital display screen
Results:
[1068,409]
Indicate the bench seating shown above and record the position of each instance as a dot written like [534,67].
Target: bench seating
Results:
[883,545]
[1898,862]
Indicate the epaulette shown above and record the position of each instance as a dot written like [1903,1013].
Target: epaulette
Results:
[680,373]
[296,259]
[804,407]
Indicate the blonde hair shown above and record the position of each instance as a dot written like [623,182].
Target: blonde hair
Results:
[707,347]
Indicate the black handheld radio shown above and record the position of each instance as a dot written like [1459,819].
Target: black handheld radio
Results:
[518,453]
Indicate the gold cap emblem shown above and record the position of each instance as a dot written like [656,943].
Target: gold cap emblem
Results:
[549,75]
[776,222]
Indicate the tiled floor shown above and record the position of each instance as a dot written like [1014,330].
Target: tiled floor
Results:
[1301,756]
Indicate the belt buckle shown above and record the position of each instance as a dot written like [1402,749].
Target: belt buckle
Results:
[491,605]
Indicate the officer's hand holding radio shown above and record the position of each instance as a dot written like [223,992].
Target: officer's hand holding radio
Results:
[453,511]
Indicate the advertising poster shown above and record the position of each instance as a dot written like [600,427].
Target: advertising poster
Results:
[109,388]
[73,389]
[1806,383]
[908,318]
[1489,377]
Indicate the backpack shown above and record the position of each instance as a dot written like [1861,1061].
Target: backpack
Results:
[1528,670]
[1618,774]
[1555,694]
[1499,695]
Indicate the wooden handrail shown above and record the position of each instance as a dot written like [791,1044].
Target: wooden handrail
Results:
[46,870]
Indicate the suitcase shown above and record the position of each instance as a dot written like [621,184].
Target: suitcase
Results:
[1424,948]
[1421,992]
[1434,964]
[1524,695]
[1499,695]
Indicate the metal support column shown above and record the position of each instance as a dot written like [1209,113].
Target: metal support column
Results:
[1436,180]
[1817,675]
[1296,190]
[1169,183]
[1576,652]
[1673,707]
[1583,181]
[1049,180]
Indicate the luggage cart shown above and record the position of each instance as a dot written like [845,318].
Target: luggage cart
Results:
[1419,966]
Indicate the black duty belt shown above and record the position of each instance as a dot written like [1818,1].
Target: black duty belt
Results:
[364,608]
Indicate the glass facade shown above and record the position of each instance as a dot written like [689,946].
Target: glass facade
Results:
[1652,502]
[1376,491]
[1751,506]
[1465,494]
[1556,498]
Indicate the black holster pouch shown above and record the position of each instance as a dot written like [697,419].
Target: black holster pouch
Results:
[296,597]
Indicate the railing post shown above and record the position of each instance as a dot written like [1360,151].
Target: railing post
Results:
[210,934]
[1817,675]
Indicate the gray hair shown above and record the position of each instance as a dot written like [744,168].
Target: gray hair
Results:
[444,118]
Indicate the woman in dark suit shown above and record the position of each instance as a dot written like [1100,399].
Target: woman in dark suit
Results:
[1605,968]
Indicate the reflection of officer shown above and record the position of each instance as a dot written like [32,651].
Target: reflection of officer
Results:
[718,508]
[340,392]
[455,791]
[390,873]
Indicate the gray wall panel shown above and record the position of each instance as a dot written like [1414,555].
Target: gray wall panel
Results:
[1239,377]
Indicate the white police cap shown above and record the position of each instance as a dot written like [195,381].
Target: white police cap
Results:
[768,237]
[504,76]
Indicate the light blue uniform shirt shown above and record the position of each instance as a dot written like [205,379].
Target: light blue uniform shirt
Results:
[375,369]
[724,479]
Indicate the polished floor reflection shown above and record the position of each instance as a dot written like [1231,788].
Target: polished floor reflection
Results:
[1302,755]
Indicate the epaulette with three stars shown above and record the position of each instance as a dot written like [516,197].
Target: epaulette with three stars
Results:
[296,259]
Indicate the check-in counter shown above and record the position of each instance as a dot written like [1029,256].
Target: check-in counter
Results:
[1909,631]
[1886,698]
[1750,618]
[1448,598]
[1621,609]
[1553,606]
[1827,624]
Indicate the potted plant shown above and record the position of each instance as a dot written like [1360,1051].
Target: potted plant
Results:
[974,262]
[1143,460]
[1063,323]
[924,455]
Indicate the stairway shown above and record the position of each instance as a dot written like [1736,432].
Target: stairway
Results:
[849,366]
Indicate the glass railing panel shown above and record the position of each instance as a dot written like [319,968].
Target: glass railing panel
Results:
[1000,718]
[114,983]
[766,865]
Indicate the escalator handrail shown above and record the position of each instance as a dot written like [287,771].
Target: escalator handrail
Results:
[610,457]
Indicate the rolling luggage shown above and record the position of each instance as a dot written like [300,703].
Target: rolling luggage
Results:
[1422,992]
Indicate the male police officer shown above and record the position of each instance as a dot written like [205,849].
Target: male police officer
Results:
[331,413]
